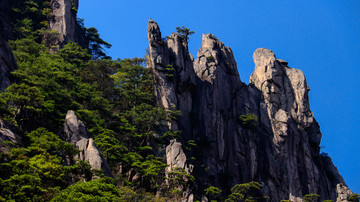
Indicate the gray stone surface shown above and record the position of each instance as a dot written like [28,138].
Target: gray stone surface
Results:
[282,151]
[7,63]
[64,22]
[76,133]
[343,193]
[175,156]
[8,132]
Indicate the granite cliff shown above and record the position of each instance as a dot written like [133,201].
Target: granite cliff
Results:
[7,60]
[280,150]
[279,147]
[64,23]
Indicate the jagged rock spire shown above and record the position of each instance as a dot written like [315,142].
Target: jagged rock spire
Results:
[282,151]
[64,23]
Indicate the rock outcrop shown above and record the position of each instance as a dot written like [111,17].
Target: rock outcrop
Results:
[7,63]
[76,133]
[64,23]
[8,132]
[343,193]
[176,157]
[7,59]
[280,150]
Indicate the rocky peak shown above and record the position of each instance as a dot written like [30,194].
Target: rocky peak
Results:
[153,31]
[280,149]
[64,22]
[214,55]
[284,89]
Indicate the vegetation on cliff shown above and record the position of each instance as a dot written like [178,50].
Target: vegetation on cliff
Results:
[115,100]
[112,97]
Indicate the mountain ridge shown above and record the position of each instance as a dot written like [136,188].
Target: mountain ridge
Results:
[214,97]
[279,147]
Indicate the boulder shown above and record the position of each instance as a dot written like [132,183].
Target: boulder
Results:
[76,133]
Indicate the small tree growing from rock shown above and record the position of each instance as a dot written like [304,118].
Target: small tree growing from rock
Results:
[213,193]
[246,192]
[311,197]
[184,33]
[354,197]
[248,120]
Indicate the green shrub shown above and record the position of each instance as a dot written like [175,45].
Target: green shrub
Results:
[170,71]
[211,58]
[246,192]
[213,193]
[354,198]
[311,197]
[248,120]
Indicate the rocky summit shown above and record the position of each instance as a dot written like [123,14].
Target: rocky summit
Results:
[263,132]
[182,129]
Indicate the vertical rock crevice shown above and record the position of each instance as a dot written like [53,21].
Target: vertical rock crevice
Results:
[282,152]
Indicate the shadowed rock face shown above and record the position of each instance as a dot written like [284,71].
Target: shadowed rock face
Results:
[76,133]
[282,151]
[7,59]
[7,63]
[8,132]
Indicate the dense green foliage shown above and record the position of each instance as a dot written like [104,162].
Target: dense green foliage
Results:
[30,18]
[36,172]
[103,189]
[114,98]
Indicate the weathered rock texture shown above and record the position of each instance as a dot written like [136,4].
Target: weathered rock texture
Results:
[343,193]
[5,22]
[7,60]
[282,152]
[76,133]
[175,157]
[8,132]
[65,24]
[7,63]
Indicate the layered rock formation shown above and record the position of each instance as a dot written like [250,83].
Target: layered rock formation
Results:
[64,23]
[76,133]
[281,151]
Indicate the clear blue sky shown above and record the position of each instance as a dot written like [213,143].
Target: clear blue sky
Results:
[322,38]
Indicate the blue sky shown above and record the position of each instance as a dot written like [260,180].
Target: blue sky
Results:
[322,38]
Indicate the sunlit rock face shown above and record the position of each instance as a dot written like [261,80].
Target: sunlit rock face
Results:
[64,25]
[75,132]
[281,150]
